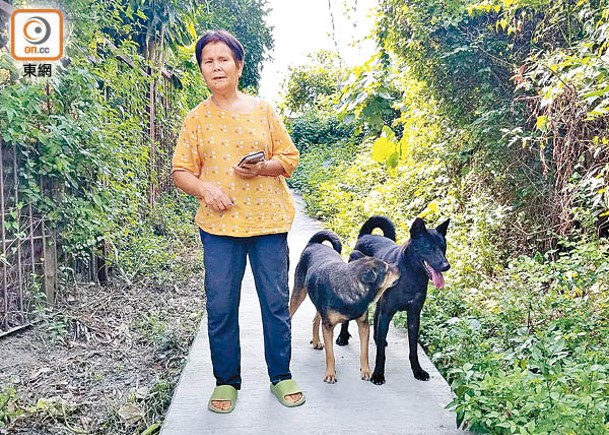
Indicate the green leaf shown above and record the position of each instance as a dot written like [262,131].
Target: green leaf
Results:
[460,418]
[382,149]
[388,133]
[598,112]
[597,93]
[542,123]
[392,161]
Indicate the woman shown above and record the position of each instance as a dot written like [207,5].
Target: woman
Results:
[245,210]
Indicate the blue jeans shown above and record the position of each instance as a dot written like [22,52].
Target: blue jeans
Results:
[225,259]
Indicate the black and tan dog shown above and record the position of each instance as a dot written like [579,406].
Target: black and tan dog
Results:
[420,259]
[340,292]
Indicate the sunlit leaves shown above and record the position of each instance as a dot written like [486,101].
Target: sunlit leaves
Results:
[315,84]
[385,150]
[542,123]
[432,209]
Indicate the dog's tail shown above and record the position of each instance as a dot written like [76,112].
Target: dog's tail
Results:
[381,222]
[321,236]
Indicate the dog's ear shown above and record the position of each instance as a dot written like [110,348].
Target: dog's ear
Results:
[369,276]
[443,227]
[417,227]
[356,255]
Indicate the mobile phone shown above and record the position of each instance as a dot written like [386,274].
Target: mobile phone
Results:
[253,157]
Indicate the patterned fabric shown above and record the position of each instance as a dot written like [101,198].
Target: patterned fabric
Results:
[211,141]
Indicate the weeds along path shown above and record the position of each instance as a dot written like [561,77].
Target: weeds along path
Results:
[104,360]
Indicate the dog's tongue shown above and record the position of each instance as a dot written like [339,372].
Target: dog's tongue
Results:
[437,278]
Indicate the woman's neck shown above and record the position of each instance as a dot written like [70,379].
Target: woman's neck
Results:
[235,103]
[226,101]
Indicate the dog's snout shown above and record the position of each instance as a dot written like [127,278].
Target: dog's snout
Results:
[444,266]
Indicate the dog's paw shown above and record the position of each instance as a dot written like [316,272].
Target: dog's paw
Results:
[377,378]
[421,375]
[330,378]
[365,374]
[343,340]
[317,345]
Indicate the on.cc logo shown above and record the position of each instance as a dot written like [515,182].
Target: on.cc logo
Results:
[36,34]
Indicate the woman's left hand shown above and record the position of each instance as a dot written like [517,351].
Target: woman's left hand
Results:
[250,170]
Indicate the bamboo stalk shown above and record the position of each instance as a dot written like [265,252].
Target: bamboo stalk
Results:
[4,271]
[19,271]
[32,246]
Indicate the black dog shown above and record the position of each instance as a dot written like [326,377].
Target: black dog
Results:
[340,292]
[420,259]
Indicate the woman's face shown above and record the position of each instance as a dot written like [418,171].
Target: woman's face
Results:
[220,71]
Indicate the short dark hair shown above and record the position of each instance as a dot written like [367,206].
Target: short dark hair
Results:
[220,36]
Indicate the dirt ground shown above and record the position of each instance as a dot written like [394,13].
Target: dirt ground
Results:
[104,360]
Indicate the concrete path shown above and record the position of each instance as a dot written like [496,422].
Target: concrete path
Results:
[351,406]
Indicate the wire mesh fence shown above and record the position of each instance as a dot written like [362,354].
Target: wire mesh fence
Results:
[28,257]
[30,247]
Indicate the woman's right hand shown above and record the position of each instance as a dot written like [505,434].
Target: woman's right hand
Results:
[215,198]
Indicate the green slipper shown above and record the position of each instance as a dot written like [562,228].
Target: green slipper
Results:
[223,392]
[284,388]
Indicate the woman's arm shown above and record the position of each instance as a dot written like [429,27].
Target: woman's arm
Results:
[267,168]
[211,194]
[282,147]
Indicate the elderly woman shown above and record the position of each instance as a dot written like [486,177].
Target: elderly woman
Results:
[245,210]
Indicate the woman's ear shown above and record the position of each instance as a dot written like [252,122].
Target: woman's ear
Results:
[240,66]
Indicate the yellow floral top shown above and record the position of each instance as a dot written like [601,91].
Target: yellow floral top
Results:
[211,141]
